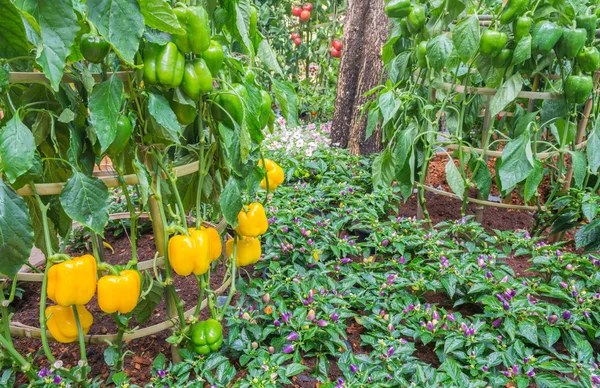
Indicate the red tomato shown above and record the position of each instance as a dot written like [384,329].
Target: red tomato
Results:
[304,16]
[335,53]
[295,35]
[296,11]
[307,7]
[297,41]
[336,44]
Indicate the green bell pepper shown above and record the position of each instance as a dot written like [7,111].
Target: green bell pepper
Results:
[124,131]
[197,78]
[521,27]
[512,10]
[265,108]
[93,47]
[545,36]
[588,59]
[398,8]
[588,23]
[253,22]
[492,42]
[163,65]
[415,21]
[195,22]
[422,54]
[186,114]
[228,107]
[207,336]
[571,42]
[502,60]
[214,57]
[578,88]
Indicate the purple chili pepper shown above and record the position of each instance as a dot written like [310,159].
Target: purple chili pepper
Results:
[353,368]
[435,315]
[484,368]
[566,314]
[430,326]
[497,322]
[288,349]
[335,317]
[277,323]
[390,351]
[595,379]
[322,323]
[531,373]
[552,319]
[57,380]
[385,243]
[293,336]
[451,317]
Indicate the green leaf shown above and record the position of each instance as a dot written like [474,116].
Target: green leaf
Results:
[17,148]
[588,236]
[483,179]
[294,369]
[552,334]
[159,15]
[547,380]
[551,109]
[268,57]
[438,51]
[105,105]
[384,167]
[522,51]
[506,94]
[372,120]
[593,148]
[58,27]
[528,330]
[159,109]
[231,202]
[488,72]
[85,200]
[242,23]
[579,167]
[455,180]
[388,105]
[13,39]
[120,22]
[144,180]
[146,305]
[253,111]
[39,238]
[517,162]
[16,231]
[288,102]
[533,180]
[465,37]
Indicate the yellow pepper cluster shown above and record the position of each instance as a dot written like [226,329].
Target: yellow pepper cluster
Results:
[193,253]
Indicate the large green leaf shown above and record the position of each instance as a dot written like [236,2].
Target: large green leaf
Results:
[16,232]
[105,105]
[288,102]
[158,14]
[579,167]
[438,51]
[159,109]
[85,200]
[120,22]
[593,148]
[17,148]
[522,51]
[465,37]
[231,202]
[588,236]
[455,180]
[13,38]
[517,162]
[483,179]
[384,167]
[146,305]
[533,180]
[506,94]
[268,57]
[39,236]
[58,27]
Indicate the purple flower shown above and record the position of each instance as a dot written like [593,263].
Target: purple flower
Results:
[559,252]
[293,336]
[436,315]
[161,374]
[43,373]
[402,260]
[351,243]
[489,275]
[322,323]
[57,380]
[566,314]
[288,349]
[353,368]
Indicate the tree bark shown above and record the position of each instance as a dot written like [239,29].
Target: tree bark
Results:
[365,32]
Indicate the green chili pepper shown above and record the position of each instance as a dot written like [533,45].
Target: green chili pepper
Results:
[422,54]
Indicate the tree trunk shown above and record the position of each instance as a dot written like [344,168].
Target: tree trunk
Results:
[365,32]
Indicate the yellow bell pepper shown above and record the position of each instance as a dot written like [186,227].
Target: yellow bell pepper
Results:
[216,246]
[72,281]
[189,254]
[248,250]
[119,293]
[254,222]
[62,325]
[274,174]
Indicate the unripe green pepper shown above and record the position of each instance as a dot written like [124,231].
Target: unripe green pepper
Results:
[265,108]
[589,59]
[492,42]
[502,60]
[422,54]
[124,131]
[404,28]
[578,88]
[512,10]
[545,36]
[163,65]
[398,8]
[588,23]
[213,57]
[571,42]
[415,21]
[186,114]
[521,27]
[195,22]
[197,78]
[207,336]
[253,22]
[227,107]
[93,47]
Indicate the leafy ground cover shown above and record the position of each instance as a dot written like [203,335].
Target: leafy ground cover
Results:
[350,294]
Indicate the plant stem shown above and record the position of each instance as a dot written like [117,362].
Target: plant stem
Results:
[232,289]
[25,366]
[81,345]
